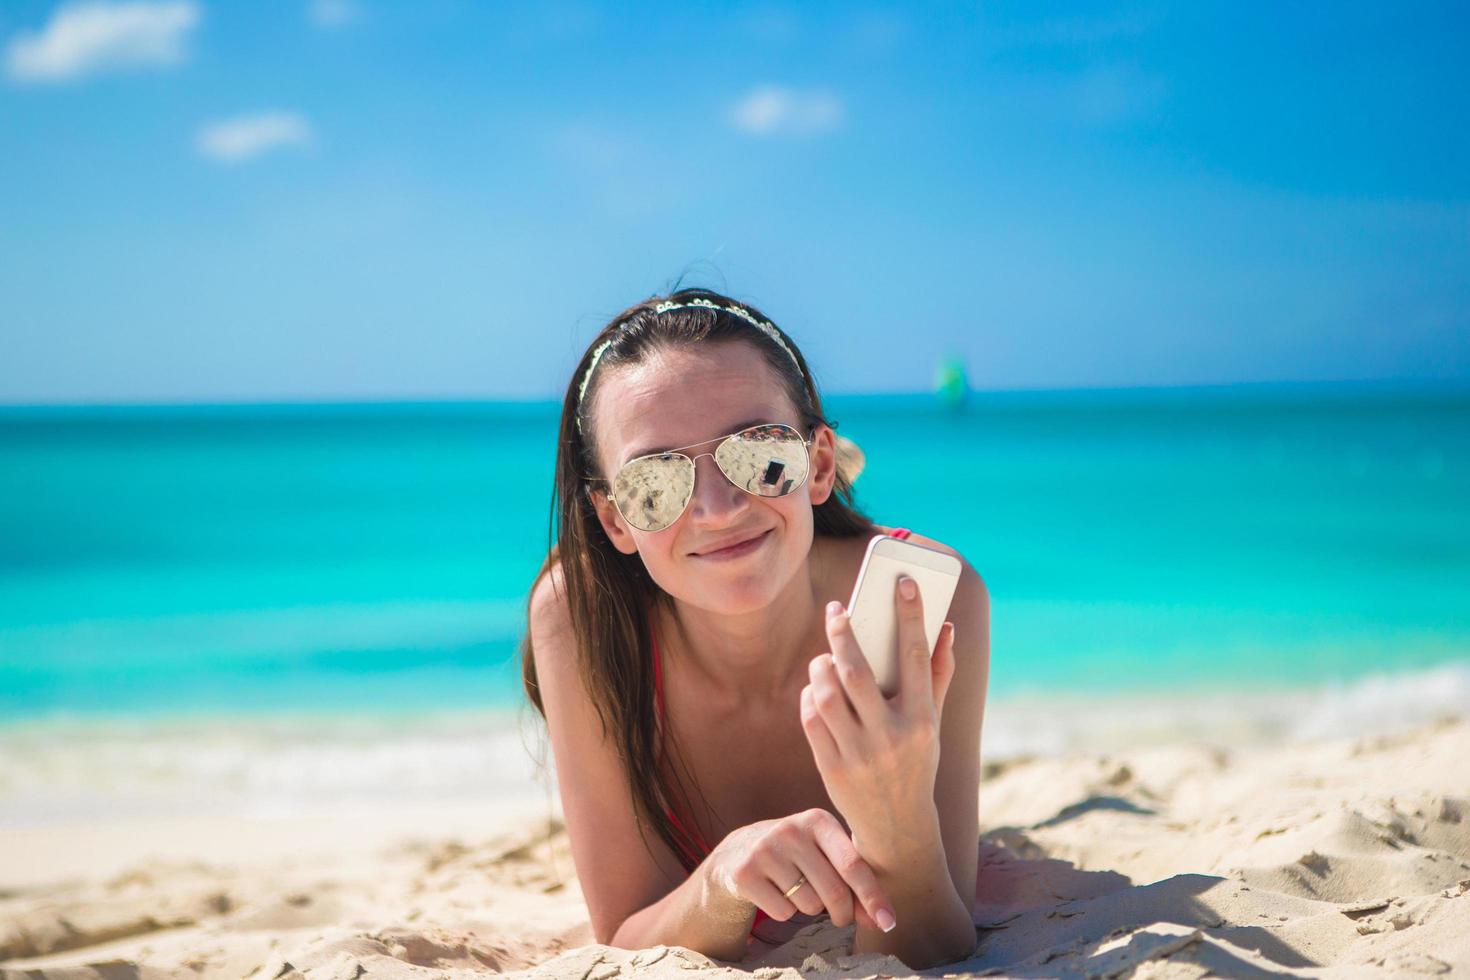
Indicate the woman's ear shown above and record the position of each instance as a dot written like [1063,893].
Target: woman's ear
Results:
[612,522]
[824,465]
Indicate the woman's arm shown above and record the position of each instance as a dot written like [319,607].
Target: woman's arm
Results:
[913,803]
[935,925]
[627,882]
[696,914]
[936,877]
[622,874]
[741,875]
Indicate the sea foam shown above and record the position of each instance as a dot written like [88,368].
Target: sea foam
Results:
[63,768]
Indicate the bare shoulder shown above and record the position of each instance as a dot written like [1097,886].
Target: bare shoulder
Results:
[554,650]
[551,616]
[619,870]
[971,601]
[972,584]
[553,640]
[969,610]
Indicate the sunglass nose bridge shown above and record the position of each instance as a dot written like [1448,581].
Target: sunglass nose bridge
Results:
[694,460]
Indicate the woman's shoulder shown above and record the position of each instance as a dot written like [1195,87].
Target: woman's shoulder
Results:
[968,571]
[922,540]
[851,551]
[550,620]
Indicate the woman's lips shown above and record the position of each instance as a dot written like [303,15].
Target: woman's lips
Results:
[737,551]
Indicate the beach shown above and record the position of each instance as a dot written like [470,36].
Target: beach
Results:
[327,324]
[1344,856]
[261,710]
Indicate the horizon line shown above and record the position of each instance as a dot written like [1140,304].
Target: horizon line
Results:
[1438,385]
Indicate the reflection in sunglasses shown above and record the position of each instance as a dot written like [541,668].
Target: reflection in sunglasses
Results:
[764,460]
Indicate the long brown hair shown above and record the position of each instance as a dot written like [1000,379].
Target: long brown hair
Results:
[610,595]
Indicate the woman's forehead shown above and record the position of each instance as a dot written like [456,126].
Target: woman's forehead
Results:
[669,401]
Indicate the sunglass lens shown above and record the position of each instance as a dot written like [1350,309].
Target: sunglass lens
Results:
[767,460]
[652,492]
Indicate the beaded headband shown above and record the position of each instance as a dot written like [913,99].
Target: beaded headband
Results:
[763,326]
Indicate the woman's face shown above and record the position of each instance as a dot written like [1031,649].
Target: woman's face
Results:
[686,396]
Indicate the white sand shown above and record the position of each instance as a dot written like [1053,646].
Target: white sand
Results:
[1339,858]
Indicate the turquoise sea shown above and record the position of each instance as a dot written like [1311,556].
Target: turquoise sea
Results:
[324,567]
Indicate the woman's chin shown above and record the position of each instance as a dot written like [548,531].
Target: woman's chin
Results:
[753,586]
[742,599]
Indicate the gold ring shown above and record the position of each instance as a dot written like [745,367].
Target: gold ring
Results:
[792,890]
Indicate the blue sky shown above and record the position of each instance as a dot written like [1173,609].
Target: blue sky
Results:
[355,199]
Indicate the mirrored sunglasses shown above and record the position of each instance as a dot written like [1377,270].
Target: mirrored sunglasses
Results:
[768,460]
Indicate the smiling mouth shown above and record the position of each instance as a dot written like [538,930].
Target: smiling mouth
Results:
[747,543]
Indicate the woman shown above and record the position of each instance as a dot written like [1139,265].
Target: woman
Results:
[680,649]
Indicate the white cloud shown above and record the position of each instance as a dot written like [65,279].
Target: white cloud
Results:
[84,38]
[246,137]
[772,109]
[333,13]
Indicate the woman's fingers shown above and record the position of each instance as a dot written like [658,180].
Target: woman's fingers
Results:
[914,663]
[811,847]
[818,735]
[853,670]
[788,854]
[756,886]
[843,857]
[824,886]
[831,701]
[943,666]
[786,873]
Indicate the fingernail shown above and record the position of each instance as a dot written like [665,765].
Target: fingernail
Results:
[907,587]
[833,608]
[885,920]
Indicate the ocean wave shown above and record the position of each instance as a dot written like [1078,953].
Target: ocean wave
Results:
[63,768]
[72,767]
[1373,704]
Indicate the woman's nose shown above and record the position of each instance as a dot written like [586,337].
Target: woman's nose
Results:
[714,495]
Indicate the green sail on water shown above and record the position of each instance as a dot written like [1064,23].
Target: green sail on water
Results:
[950,384]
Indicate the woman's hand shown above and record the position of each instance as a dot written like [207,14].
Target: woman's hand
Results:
[757,863]
[879,756]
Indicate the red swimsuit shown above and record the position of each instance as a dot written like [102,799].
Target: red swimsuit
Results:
[691,860]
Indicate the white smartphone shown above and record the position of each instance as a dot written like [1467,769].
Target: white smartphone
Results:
[873,608]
